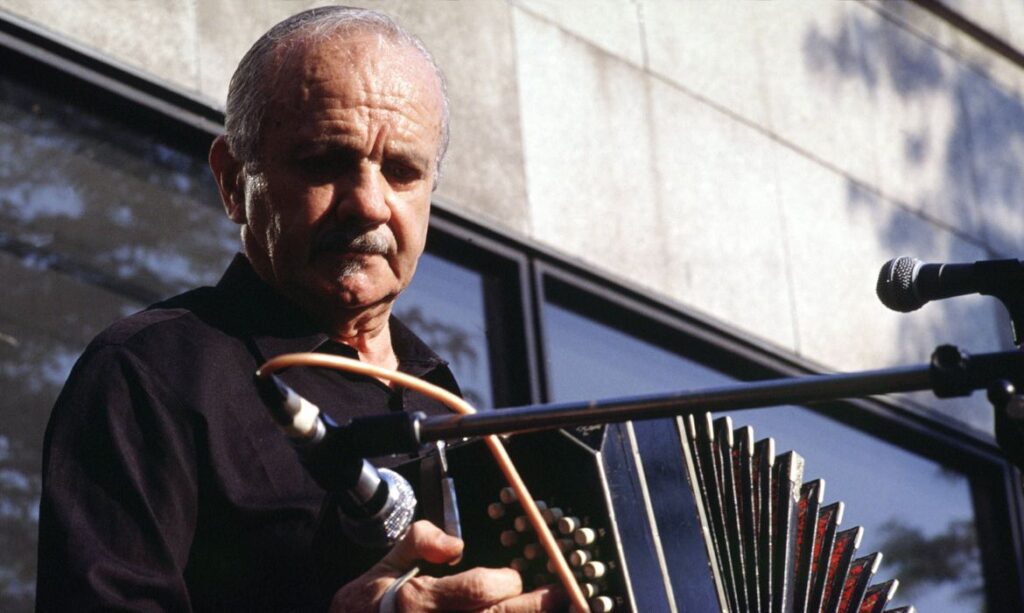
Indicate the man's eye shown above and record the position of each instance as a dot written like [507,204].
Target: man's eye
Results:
[398,172]
[326,166]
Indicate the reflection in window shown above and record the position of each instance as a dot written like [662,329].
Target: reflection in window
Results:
[915,511]
[444,306]
[96,221]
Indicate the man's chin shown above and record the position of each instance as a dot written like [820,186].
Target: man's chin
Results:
[354,293]
[344,285]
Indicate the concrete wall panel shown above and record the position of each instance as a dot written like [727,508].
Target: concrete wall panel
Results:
[611,25]
[994,124]
[226,29]
[712,49]
[814,102]
[1003,18]
[157,38]
[921,129]
[716,180]
[587,148]
[969,52]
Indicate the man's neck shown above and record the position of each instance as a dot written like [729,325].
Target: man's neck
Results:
[371,338]
[374,346]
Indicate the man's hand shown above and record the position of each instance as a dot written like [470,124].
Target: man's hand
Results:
[477,589]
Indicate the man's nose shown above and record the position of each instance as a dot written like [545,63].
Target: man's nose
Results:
[365,198]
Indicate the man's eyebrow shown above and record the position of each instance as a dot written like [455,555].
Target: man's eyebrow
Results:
[394,151]
[324,143]
[408,157]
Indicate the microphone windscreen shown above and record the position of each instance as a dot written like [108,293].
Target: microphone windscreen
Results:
[895,286]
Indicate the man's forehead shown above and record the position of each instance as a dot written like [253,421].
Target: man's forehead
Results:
[352,55]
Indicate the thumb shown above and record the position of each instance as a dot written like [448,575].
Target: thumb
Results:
[423,541]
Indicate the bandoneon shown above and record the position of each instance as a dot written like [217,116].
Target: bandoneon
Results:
[689,514]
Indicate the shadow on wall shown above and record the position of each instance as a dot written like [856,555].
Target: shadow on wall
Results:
[981,154]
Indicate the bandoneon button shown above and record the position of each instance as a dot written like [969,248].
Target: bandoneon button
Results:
[584,536]
[579,557]
[509,538]
[552,515]
[568,525]
[594,570]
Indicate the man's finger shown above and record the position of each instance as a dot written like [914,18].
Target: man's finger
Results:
[424,541]
[472,590]
[549,598]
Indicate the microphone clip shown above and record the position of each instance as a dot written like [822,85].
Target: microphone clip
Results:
[954,372]
[1004,279]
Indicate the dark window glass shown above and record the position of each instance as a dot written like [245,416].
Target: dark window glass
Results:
[96,221]
[916,511]
[444,305]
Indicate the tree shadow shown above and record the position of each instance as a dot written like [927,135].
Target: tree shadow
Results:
[450,341]
[982,153]
[969,195]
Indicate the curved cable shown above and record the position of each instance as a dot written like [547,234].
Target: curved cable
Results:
[457,404]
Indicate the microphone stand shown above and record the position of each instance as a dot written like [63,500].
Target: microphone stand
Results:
[950,373]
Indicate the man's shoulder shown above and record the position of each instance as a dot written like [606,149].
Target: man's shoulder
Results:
[188,313]
[182,344]
[177,338]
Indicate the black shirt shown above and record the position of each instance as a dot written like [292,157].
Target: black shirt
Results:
[166,484]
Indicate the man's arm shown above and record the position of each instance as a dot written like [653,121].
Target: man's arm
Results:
[118,507]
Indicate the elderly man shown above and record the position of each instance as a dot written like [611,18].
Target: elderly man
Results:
[166,484]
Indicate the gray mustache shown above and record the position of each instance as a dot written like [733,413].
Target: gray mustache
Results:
[371,243]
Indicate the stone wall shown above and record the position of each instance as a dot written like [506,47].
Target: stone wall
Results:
[755,161]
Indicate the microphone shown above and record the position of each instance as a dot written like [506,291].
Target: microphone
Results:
[906,284]
[376,504]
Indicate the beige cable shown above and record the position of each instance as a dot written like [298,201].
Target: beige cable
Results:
[457,404]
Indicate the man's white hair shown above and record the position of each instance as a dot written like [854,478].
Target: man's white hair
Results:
[252,83]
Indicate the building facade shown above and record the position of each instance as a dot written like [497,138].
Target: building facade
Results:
[640,196]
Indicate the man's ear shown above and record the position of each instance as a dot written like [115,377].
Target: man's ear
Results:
[228,172]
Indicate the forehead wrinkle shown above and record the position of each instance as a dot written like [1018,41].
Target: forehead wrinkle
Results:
[390,90]
[402,138]
[363,117]
[368,105]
